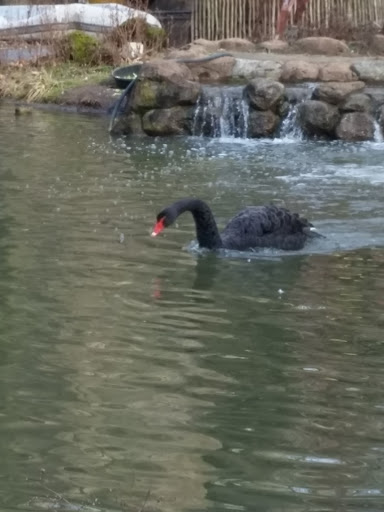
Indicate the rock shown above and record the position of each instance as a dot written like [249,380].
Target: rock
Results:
[276,45]
[377,44]
[236,44]
[91,96]
[369,71]
[130,124]
[381,118]
[337,72]
[336,92]
[321,46]
[209,46]
[357,103]
[168,121]
[262,124]
[194,52]
[249,69]
[264,94]
[150,94]
[318,118]
[162,69]
[213,70]
[299,71]
[377,96]
[356,126]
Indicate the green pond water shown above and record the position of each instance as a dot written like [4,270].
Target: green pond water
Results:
[138,374]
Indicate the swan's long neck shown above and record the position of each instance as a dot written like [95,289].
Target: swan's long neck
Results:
[206,228]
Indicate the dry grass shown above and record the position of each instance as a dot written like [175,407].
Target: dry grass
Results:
[46,84]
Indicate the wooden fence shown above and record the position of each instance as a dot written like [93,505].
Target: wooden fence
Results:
[256,19]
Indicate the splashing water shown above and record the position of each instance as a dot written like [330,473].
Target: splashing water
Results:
[221,112]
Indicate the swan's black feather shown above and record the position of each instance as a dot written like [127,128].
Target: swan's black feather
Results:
[253,227]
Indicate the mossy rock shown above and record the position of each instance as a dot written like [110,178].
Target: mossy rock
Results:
[83,48]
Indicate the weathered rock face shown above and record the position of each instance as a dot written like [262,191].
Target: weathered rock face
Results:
[149,94]
[264,94]
[275,45]
[299,71]
[318,118]
[236,44]
[162,69]
[357,103]
[369,71]
[249,69]
[337,72]
[321,46]
[216,70]
[168,121]
[377,44]
[356,126]
[336,92]
[262,123]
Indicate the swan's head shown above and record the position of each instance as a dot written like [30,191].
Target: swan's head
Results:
[164,219]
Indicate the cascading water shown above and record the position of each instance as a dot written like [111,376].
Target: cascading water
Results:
[378,136]
[221,112]
[290,127]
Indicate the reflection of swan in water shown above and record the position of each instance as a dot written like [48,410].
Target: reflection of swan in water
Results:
[250,277]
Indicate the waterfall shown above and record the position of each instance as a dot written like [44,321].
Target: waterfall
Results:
[378,136]
[290,127]
[221,112]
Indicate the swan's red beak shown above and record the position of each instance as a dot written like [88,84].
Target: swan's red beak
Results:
[159,226]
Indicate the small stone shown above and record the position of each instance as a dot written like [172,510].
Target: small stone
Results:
[236,44]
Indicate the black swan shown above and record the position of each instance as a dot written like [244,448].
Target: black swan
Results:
[255,226]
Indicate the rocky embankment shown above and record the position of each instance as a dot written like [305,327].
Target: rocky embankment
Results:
[346,99]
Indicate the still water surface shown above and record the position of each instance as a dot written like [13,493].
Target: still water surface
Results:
[136,374]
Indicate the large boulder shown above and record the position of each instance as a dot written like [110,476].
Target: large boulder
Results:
[209,71]
[299,71]
[236,44]
[163,69]
[168,121]
[377,44]
[262,124]
[248,69]
[337,72]
[357,103]
[264,94]
[318,118]
[356,126]
[149,94]
[321,46]
[336,92]
[370,71]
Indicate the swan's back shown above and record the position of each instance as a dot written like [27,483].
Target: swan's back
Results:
[266,226]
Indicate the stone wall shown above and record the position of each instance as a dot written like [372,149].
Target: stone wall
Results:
[346,100]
